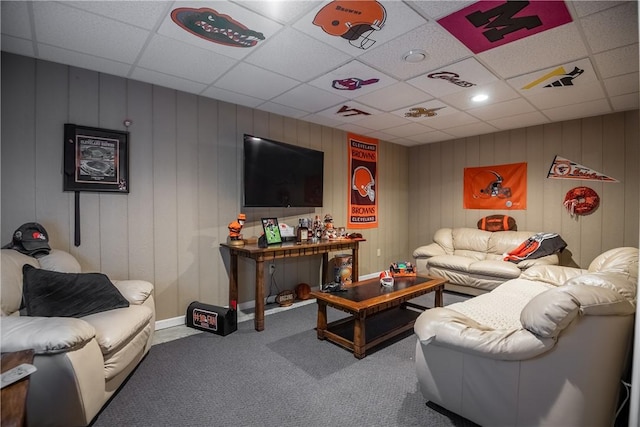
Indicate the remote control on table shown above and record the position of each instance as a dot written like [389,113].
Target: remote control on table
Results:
[14,374]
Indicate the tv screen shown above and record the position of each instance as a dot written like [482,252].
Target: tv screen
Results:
[281,175]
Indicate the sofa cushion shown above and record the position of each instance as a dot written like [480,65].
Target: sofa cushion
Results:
[11,291]
[53,294]
[451,262]
[495,268]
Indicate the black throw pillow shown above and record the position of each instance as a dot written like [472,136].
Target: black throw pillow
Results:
[53,294]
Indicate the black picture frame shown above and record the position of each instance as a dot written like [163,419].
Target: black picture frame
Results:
[95,159]
[271,231]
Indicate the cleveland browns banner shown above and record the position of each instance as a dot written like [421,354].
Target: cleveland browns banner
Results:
[562,168]
[496,187]
[363,178]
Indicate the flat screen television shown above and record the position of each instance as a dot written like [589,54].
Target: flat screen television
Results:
[281,175]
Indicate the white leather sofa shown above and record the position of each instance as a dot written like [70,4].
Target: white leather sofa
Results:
[80,362]
[471,260]
[546,349]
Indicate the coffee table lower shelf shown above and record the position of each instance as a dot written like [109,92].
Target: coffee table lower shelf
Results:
[378,329]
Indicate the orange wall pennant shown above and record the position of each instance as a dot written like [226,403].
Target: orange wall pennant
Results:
[496,187]
[362,197]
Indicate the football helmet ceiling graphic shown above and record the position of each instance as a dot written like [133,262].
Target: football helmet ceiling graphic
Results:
[352,20]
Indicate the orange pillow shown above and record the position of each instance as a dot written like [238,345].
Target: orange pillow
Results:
[497,223]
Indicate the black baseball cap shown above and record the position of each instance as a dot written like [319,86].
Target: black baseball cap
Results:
[30,238]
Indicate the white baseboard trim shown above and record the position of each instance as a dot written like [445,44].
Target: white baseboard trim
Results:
[248,305]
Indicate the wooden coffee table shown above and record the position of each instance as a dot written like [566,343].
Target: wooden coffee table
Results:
[377,313]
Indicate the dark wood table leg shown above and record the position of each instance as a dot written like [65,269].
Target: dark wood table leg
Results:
[325,265]
[354,264]
[259,314]
[233,281]
[359,336]
[439,297]
[14,396]
[322,319]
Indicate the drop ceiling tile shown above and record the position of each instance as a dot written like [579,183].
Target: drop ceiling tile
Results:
[17,46]
[497,91]
[168,56]
[407,130]
[449,121]
[502,109]
[227,16]
[585,8]
[383,121]
[453,78]
[283,110]
[621,85]
[309,99]
[349,112]
[160,79]
[586,109]
[387,21]
[232,97]
[250,80]
[76,59]
[284,11]
[536,52]
[472,129]
[354,128]
[559,96]
[393,97]
[353,79]
[297,55]
[612,28]
[440,47]
[616,62]
[626,102]
[323,120]
[143,14]
[15,19]
[438,9]
[84,32]
[532,118]
[383,136]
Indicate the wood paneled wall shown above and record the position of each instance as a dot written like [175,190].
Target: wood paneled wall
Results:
[185,168]
[608,144]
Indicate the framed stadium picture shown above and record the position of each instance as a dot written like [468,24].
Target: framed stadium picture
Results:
[271,231]
[95,159]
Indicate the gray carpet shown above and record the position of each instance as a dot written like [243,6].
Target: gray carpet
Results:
[283,376]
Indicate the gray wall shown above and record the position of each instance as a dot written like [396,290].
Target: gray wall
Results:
[608,144]
[185,161]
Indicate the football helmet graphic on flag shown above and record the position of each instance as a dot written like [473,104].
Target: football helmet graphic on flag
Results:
[363,182]
[352,20]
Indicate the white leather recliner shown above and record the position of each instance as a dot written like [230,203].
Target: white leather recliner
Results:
[82,361]
[546,349]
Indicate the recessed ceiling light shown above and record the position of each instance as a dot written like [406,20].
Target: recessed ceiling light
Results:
[415,55]
[480,97]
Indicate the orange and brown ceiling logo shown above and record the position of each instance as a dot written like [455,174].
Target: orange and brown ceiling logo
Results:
[215,27]
[488,24]
[352,20]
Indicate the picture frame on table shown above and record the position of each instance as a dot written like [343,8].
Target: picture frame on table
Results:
[271,231]
[95,159]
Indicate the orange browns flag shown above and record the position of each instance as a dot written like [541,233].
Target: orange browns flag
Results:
[362,199]
[496,187]
[562,168]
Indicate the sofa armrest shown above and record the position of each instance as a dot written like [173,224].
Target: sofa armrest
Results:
[548,313]
[45,335]
[430,250]
[552,259]
[553,274]
[135,291]
[448,328]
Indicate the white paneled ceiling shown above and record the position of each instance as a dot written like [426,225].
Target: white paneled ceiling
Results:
[342,63]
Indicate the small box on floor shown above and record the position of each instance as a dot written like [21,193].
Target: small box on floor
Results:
[212,318]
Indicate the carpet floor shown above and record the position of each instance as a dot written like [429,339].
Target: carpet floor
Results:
[282,376]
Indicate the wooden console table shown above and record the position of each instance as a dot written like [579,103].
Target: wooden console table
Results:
[14,396]
[283,250]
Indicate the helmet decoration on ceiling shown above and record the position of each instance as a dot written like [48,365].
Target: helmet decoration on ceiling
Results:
[352,20]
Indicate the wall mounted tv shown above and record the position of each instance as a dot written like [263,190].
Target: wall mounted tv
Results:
[281,175]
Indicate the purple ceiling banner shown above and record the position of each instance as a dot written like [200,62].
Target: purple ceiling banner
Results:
[488,24]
